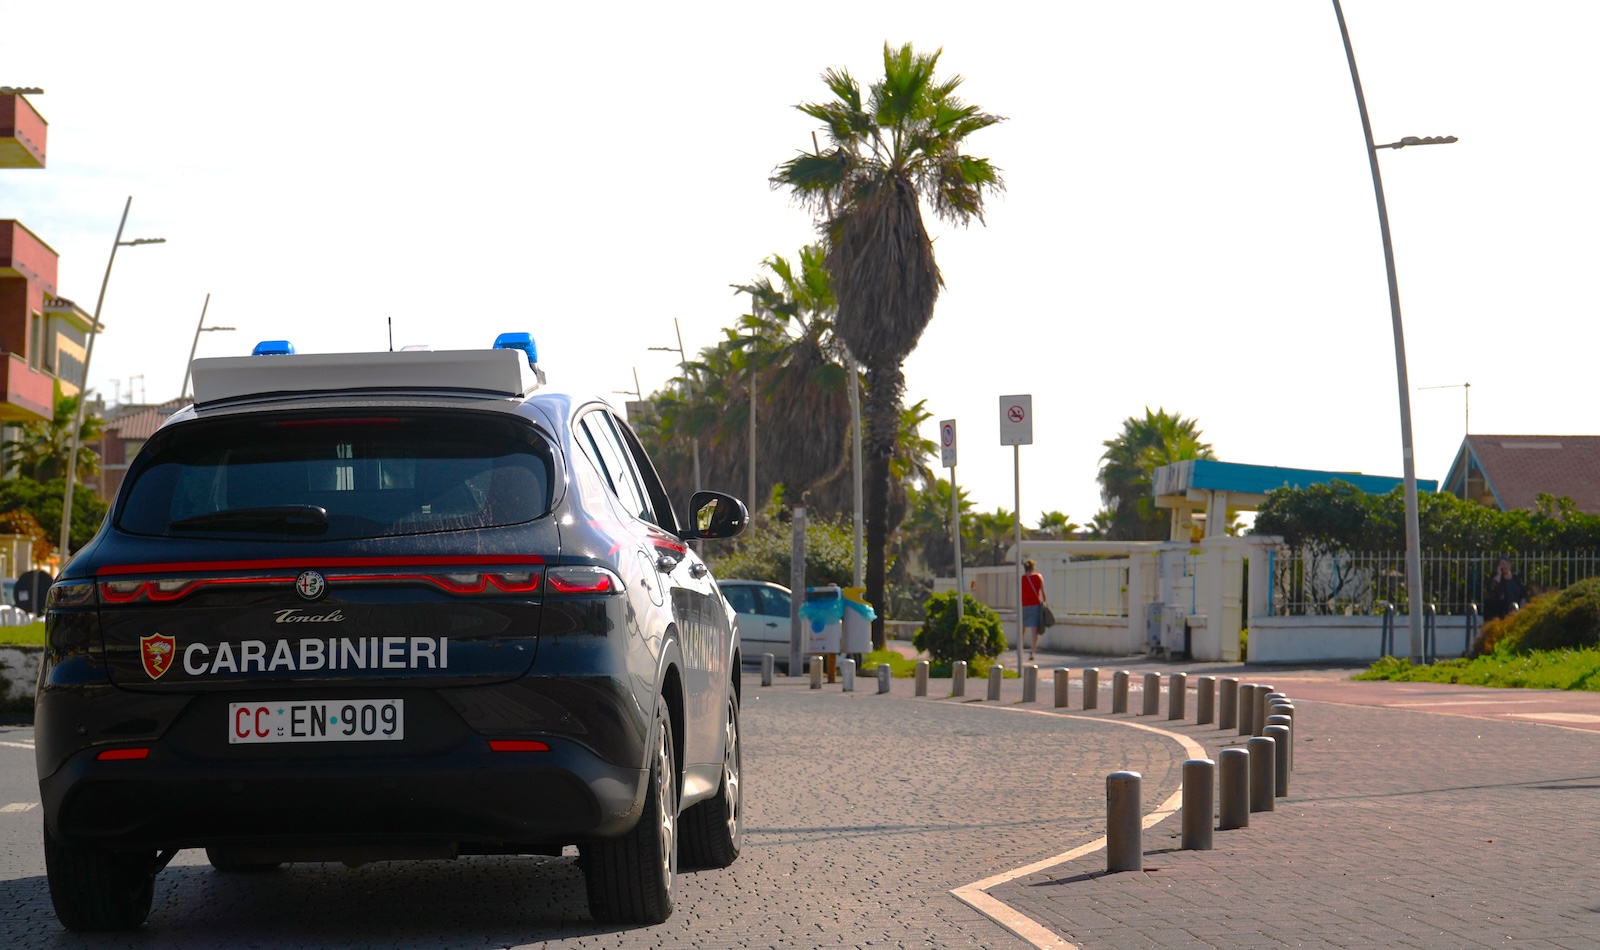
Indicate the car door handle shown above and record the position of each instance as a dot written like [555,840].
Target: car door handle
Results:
[666,563]
[698,570]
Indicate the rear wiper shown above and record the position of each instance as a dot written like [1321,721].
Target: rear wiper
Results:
[277,517]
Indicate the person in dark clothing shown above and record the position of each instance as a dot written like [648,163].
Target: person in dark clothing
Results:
[1505,592]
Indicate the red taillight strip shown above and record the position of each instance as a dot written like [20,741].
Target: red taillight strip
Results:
[484,580]
[121,755]
[318,563]
[154,593]
[517,745]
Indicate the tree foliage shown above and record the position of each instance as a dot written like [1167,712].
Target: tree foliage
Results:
[42,501]
[41,450]
[977,636]
[766,551]
[1127,469]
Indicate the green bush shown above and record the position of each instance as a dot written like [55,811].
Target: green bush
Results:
[1561,620]
[977,637]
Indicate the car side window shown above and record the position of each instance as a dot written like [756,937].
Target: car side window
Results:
[654,491]
[741,598]
[774,603]
[618,471]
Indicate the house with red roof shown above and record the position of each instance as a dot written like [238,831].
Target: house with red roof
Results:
[1510,472]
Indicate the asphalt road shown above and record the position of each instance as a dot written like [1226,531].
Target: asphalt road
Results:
[863,812]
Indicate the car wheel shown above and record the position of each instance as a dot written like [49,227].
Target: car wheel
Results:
[226,861]
[630,879]
[96,890]
[713,830]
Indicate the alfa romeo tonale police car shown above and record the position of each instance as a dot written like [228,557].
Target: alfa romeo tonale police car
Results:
[389,606]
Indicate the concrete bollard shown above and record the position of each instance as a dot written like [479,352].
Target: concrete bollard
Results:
[958,678]
[1124,823]
[1262,782]
[1233,783]
[1227,702]
[1152,695]
[847,672]
[1247,709]
[1280,759]
[1091,688]
[1119,691]
[768,663]
[816,672]
[1199,777]
[1205,700]
[1258,719]
[884,677]
[1030,683]
[1286,708]
[1178,696]
[997,675]
[922,678]
[1287,722]
[1063,687]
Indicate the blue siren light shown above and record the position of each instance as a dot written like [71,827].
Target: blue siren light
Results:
[273,348]
[519,341]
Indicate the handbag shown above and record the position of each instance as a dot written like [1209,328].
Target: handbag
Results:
[1047,618]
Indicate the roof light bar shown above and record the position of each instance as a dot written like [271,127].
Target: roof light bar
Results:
[273,348]
[519,341]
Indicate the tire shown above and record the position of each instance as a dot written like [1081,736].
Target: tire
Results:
[713,830]
[225,861]
[94,890]
[630,879]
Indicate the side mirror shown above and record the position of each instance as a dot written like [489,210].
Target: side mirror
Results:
[713,514]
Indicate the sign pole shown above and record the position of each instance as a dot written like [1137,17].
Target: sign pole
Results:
[947,458]
[1016,430]
[1016,476]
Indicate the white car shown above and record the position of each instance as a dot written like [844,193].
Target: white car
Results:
[762,611]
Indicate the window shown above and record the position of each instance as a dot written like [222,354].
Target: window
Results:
[774,603]
[741,598]
[375,477]
[613,459]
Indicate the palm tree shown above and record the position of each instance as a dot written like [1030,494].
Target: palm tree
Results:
[1129,464]
[890,150]
[41,451]
[1053,526]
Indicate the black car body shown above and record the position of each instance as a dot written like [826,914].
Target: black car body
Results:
[389,606]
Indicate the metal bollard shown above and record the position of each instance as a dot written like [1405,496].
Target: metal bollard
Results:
[1233,783]
[1205,700]
[883,679]
[767,665]
[1178,696]
[847,670]
[996,676]
[922,678]
[1199,775]
[1124,823]
[1280,719]
[1119,691]
[958,678]
[1152,694]
[1030,683]
[1247,709]
[816,672]
[1063,686]
[1228,702]
[1258,719]
[1262,783]
[1091,688]
[1280,759]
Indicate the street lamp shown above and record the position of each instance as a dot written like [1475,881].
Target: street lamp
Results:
[1414,592]
[687,388]
[83,391]
[199,329]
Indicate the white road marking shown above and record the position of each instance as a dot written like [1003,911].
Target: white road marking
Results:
[1476,702]
[1559,716]
[15,807]
[1035,933]
[17,745]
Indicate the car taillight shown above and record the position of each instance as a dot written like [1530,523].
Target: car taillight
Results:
[71,594]
[581,580]
[517,745]
[123,755]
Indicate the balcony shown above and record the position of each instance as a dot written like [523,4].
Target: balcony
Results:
[23,255]
[22,134]
[28,392]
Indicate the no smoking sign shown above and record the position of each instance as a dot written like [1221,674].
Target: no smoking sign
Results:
[1016,420]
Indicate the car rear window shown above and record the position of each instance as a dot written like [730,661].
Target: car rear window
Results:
[373,476]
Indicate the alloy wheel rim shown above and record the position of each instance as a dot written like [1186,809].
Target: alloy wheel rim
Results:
[730,775]
[667,812]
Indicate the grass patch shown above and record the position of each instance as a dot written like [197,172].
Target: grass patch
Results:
[31,635]
[1535,669]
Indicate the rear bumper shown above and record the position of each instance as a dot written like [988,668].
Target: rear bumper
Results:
[472,798]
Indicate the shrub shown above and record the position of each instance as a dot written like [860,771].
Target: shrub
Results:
[978,635]
[1561,620]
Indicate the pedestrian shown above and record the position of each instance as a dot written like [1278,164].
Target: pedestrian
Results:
[1033,599]
[1505,592]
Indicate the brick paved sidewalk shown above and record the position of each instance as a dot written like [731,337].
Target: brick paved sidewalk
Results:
[1402,829]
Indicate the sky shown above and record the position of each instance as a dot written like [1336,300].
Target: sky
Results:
[1188,219]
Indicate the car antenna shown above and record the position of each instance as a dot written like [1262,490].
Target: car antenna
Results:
[391,334]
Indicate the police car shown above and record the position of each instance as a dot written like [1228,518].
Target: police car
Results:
[389,606]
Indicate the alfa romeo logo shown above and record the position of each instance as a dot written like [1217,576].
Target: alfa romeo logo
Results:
[310,585]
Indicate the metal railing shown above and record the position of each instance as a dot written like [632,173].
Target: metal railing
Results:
[1311,582]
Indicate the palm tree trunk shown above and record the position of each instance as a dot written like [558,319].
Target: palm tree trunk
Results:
[885,386]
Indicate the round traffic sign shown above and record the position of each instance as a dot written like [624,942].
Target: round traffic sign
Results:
[1015,414]
[947,434]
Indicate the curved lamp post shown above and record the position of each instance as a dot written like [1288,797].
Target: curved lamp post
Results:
[1414,593]
[83,392]
[195,346]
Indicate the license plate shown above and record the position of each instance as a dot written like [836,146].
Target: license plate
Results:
[326,720]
